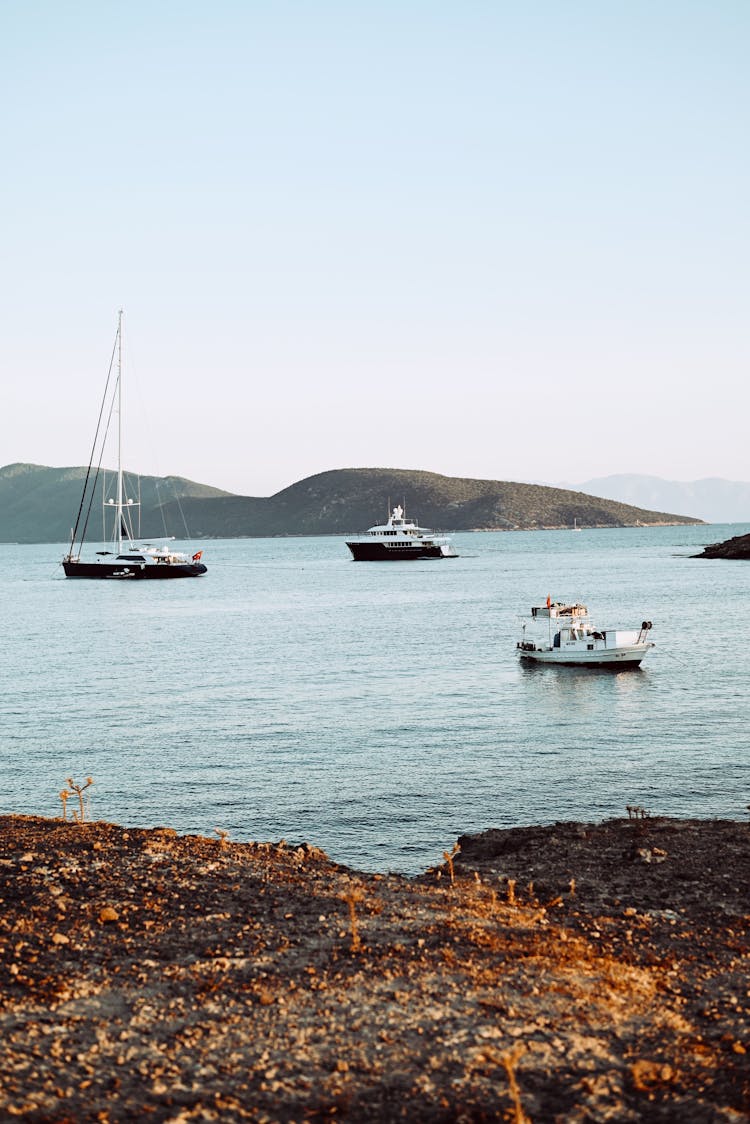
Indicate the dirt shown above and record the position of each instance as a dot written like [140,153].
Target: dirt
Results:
[571,973]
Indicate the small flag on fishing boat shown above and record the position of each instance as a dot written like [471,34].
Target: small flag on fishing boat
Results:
[197,557]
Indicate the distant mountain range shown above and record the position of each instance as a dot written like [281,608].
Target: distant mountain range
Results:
[713,500]
[39,504]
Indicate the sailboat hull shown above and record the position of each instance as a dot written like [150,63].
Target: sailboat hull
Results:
[137,571]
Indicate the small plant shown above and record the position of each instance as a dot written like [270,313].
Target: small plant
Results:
[509,1061]
[351,897]
[80,815]
[449,856]
[223,836]
[511,891]
[64,796]
[635,812]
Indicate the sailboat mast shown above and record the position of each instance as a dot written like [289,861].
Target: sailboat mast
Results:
[119,432]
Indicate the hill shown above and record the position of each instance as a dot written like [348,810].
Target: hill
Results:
[345,500]
[712,499]
[39,504]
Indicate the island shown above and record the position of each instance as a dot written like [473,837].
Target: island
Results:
[38,504]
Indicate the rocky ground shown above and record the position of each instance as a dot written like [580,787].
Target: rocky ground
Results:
[580,972]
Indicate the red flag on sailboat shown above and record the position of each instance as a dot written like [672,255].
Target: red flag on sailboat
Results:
[197,557]
[549,601]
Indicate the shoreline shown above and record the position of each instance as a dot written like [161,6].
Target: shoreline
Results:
[575,972]
[341,535]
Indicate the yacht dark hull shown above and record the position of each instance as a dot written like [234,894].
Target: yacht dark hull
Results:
[137,571]
[379,552]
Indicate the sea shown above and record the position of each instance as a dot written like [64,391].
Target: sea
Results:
[376,710]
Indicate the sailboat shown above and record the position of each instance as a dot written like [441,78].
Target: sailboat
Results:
[130,560]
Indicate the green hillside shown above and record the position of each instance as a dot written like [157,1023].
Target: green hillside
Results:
[39,504]
[351,499]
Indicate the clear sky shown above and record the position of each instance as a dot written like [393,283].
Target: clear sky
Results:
[492,239]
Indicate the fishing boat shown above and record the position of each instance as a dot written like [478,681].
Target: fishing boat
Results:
[128,559]
[562,633]
[399,539]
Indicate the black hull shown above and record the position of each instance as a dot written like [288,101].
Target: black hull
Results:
[134,571]
[379,552]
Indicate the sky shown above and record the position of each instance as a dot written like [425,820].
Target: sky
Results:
[487,239]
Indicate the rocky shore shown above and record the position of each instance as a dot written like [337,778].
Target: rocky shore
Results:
[572,973]
[737,547]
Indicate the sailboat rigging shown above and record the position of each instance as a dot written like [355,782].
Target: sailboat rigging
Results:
[132,560]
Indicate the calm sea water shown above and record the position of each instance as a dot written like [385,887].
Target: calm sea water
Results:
[377,711]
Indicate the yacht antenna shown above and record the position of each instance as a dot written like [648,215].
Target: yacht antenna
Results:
[119,432]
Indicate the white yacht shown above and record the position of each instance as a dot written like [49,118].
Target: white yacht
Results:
[398,539]
[564,634]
